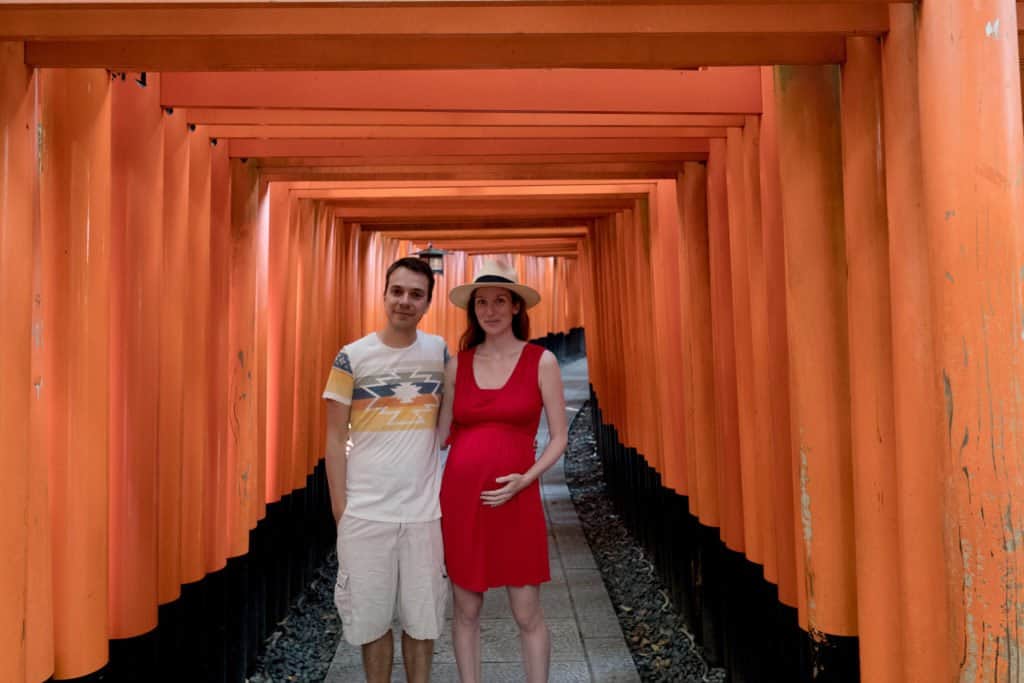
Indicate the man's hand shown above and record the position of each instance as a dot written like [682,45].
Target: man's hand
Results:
[514,483]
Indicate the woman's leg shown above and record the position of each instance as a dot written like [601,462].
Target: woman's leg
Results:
[533,632]
[466,632]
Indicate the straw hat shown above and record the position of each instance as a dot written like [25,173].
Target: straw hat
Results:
[494,274]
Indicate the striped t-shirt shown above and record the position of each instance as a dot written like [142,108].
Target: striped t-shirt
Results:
[393,470]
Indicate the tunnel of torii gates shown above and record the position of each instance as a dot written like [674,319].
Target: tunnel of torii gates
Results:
[792,233]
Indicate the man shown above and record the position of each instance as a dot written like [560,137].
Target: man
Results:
[384,491]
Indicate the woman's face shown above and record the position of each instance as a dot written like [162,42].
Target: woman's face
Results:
[494,309]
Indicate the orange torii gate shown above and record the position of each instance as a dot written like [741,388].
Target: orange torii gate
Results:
[792,231]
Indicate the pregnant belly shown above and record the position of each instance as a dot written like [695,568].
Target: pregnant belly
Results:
[476,462]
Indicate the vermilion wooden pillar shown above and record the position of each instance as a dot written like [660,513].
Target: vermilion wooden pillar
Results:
[173,359]
[778,343]
[300,326]
[215,494]
[23,645]
[871,406]
[739,227]
[261,322]
[279,405]
[759,398]
[74,382]
[917,417]
[136,297]
[242,433]
[695,266]
[973,173]
[195,419]
[724,351]
[668,322]
[807,99]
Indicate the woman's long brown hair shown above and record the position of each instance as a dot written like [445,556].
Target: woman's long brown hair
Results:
[475,335]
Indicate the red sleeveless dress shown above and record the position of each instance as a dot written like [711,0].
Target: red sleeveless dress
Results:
[493,433]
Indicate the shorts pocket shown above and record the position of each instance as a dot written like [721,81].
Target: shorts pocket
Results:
[442,589]
[343,598]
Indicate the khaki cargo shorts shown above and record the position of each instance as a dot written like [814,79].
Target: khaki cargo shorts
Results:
[389,567]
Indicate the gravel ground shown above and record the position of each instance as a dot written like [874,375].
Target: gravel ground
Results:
[662,648]
[302,646]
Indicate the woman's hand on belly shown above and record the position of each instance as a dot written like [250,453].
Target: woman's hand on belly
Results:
[513,484]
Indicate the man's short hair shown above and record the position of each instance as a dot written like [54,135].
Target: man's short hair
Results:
[416,265]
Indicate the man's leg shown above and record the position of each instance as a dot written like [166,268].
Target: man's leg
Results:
[418,655]
[377,658]
[422,595]
[367,590]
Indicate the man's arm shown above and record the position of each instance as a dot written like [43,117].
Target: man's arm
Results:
[444,421]
[336,457]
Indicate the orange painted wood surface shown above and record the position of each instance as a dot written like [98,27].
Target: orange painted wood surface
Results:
[917,417]
[724,352]
[175,357]
[23,615]
[74,380]
[972,152]
[725,90]
[740,216]
[871,373]
[242,391]
[195,418]
[136,255]
[695,266]
[807,101]
[778,345]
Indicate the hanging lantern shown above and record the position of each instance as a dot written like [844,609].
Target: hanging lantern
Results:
[434,258]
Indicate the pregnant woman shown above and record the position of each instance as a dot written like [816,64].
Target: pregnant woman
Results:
[491,515]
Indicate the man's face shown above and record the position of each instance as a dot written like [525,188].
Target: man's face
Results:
[405,299]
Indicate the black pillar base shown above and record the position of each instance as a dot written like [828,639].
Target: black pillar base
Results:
[215,631]
[729,607]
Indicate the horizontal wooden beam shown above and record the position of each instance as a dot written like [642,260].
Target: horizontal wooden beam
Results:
[381,117]
[533,51]
[539,171]
[475,234]
[715,90]
[328,164]
[459,132]
[251,148]
[463,193]
[417,230]
[448,215]
[225,20]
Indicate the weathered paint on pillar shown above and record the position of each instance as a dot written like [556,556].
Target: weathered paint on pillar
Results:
[74,383]
[739,218]
[135,310]
[242,433]
[696,267]
[871,378]
[778,343]
[724,351]
[926,634]
[172,353]
[973,181]
[807,101]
